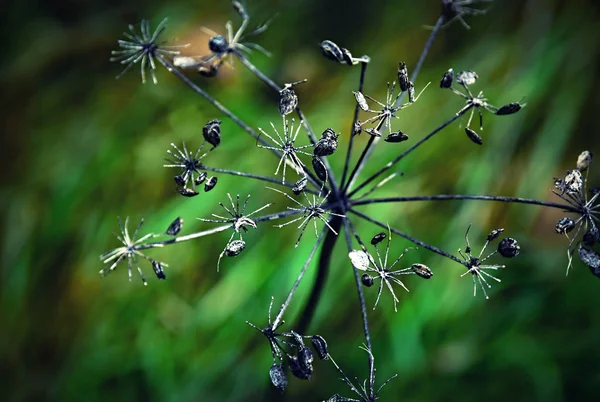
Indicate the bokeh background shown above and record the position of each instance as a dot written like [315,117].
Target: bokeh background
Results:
[81,148]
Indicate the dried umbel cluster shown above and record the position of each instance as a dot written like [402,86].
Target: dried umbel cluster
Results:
[317,197]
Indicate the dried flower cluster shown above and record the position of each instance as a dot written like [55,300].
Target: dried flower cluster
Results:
[318,197]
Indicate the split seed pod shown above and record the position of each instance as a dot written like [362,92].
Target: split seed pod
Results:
[300,185]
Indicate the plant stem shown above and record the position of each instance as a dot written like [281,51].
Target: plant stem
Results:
[360,163]
[409,150]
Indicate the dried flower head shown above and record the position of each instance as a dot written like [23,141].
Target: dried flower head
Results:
[191,168]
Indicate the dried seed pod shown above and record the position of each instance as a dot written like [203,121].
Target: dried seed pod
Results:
[509,109]
[357,129]
[212,132]
[346,56]
[367,280]
[320,346]
[210,184]
[218,44]
[319,168]
[288,101]
[494,234]
[359,259]
[305,358]
[158,270]
[467,77]
[188,192]
[396,136]
[297,370]
[564,225]
[372,131]
[278,378]
[234,248]
[208,70]
[403,80]
[327,144]
[378,238]
[509,248]
[447,79]
[179,180]
[589,257]
[185,62]
[573,181]
[332,51]
[300,185]
[473,136]
[411,92]
[584,160]
[361,100]
[422,270]
[591,237]
[200,178]
[175,227]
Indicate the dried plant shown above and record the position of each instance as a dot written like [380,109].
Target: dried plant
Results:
[334,205]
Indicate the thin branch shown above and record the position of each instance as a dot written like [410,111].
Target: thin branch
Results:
[409,150]
[410,238]
[363,157]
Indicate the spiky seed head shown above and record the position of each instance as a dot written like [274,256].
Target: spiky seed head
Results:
[511,108]
[234,248]
[212,132]
[200,178]
[319,168]
[175,227]
[403,80]
[188,192]
[378,238]
[584,160]
[320,346]
[422,270]
[332,51]
[564,225]
[447,79]
[509,248]
[278,378]
[210,184]
[218,44]
[473,136]
[467,77]
[158,270]
[367,280]
[397,136]
[494,234]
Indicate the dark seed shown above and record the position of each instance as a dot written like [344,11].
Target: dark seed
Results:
[447,79]
[305,358]
[494,234]
[589,257]
[218,44]
[564,225]
[346,56]
[179,180]
[212,132]
[509,248]
[361,100]
[403,77]
[422,270]
[509,109]
[288,101]
[175,227]
[234,248]
[320,346]
[411,92]
[378,238]
[300,185]
[327,144]
[473,136]
[278,378]
[467,77]
[188,192]
[158,270]
[584,160]
[200,178]
[297,370]
[367,280]
[210,184]
[591,237]
[332,51]
[397,136]
[319,168]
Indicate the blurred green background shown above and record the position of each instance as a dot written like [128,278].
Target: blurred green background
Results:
[81,148]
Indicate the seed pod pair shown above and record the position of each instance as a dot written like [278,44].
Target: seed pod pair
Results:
[327,144]
[175,227]
[212,132]
[509,248]
[572,183]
